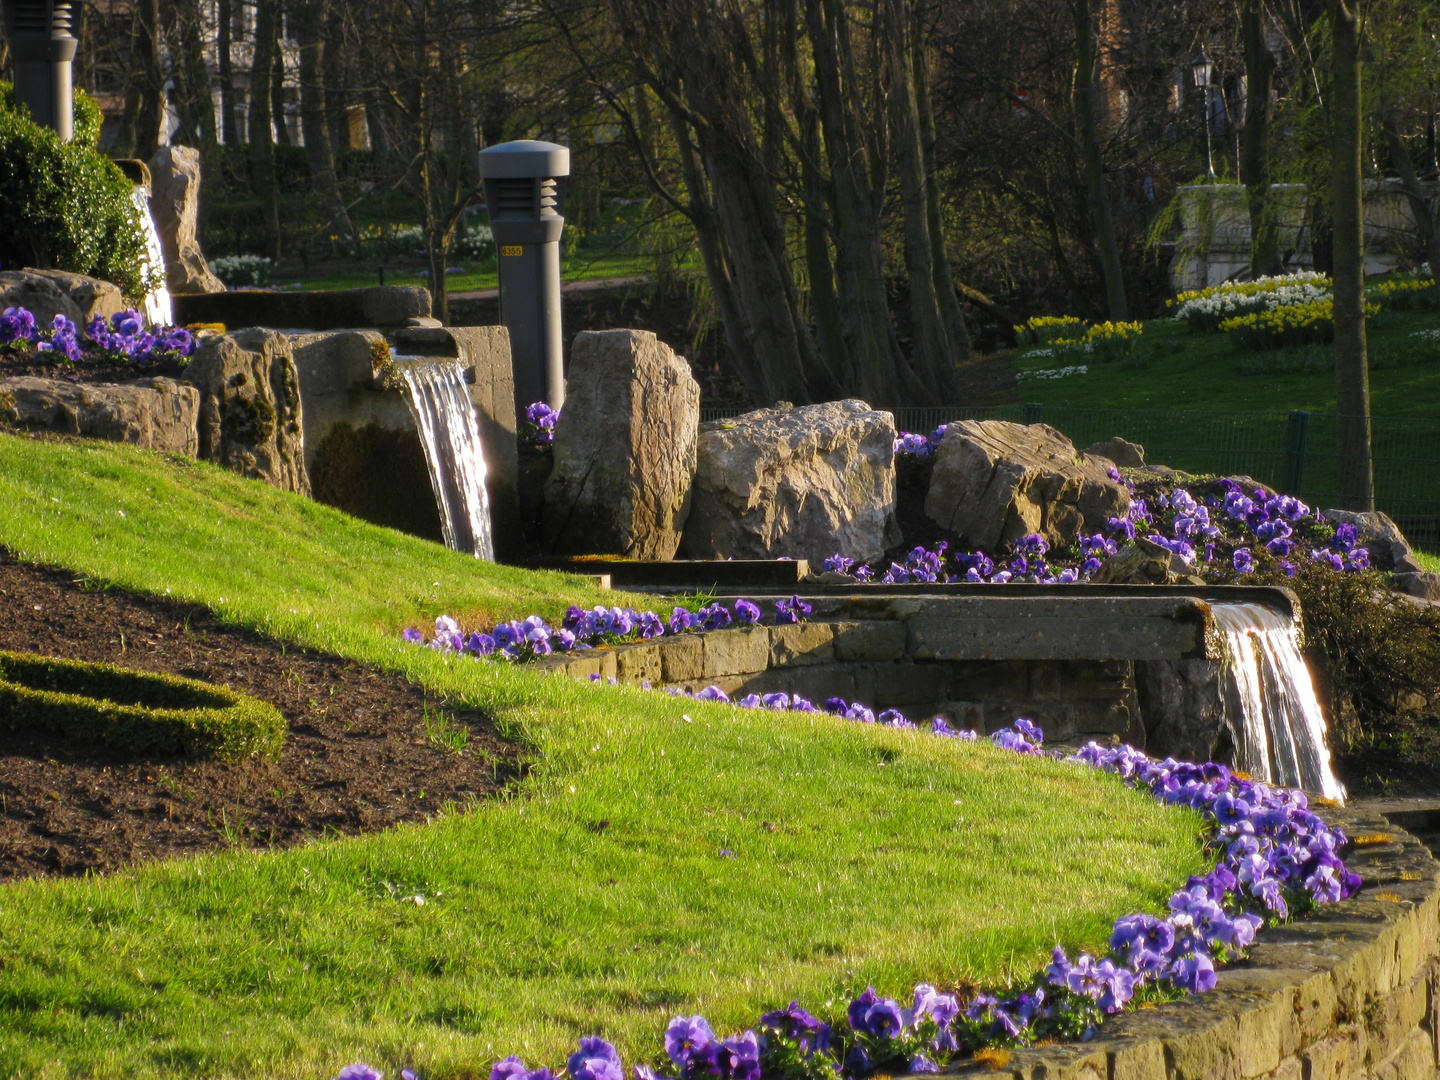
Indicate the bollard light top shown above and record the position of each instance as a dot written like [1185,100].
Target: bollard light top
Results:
[524,158]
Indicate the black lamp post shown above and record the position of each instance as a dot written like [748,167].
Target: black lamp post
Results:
[42,41]
[1204,70]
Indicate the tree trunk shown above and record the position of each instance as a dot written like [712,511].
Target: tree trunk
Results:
[1254,144]
[1097,194]
[1352,379]
[319,154]
[875,366]
[931,351]
[332,75]
[150,120]
[277,92]
[738,336]
[1417,196]
[262,142]
[945,290]
[229,119]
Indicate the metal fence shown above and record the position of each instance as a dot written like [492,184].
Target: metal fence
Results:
[1294,452]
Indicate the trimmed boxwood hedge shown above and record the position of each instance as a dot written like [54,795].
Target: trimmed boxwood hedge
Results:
[135,710]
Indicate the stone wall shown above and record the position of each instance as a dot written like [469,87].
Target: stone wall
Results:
[873,662]
[1214,241]
[1349,992]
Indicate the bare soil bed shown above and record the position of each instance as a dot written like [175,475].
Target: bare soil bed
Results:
[357,757]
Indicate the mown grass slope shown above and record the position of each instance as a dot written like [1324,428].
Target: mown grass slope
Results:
[662,856]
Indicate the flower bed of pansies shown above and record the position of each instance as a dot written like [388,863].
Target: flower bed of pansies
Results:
[1274,859]
[124,340]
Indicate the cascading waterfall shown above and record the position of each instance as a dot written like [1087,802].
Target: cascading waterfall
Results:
[1280,729]
[157,301]
[439,400]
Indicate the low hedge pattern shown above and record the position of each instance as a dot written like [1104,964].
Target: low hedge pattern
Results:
[135,710]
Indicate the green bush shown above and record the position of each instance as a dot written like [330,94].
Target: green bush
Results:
[65,206]
[135,710]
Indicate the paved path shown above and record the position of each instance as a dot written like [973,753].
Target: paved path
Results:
[568,287]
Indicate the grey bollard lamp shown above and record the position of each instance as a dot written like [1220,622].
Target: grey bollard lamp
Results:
[525,184]
[42,41]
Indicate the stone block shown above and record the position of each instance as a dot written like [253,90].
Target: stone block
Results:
[1046,681]
[682,658]
[905,683]
[814,682]
[1289,1069]
[250,411]
[175,208]
[1340,1056]
[1413,1059]
[625,449]
[47,293]
[805,483]
[1390,1021]
[794,644]
[154,414]
[996,481]
[874,640]
[737,651]
[635,664]
[592,662]
[377,306]
[1137,1059]
[335,370]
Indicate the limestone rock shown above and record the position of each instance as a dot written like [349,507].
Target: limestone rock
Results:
[175,207]
[624,448]
[800,483]
[1122,452]
[1142,563]
[1181,704]
[47,293]
[154,414]
[1422,584]
[1381,538]
[995,482]
[250,407]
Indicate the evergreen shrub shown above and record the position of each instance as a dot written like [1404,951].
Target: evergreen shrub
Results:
[135,710]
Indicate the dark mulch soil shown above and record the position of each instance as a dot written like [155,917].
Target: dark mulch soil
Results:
[356,759]
[90,368]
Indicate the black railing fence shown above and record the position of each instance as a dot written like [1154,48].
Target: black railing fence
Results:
[1294,452]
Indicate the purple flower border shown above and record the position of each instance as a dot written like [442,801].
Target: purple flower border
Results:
[1274,859]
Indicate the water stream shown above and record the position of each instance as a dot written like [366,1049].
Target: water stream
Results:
[157,301]
[1279,729]
[439,401]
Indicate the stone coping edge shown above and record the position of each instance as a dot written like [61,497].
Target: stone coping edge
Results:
[1350,991]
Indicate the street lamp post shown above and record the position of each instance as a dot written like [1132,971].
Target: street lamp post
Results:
[42,47]
[1204,70]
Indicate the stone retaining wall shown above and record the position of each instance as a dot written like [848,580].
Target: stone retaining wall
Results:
[1350,992]
[873,661]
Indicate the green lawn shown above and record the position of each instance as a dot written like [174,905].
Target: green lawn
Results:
[582,266]
[1176,369]
[594,899]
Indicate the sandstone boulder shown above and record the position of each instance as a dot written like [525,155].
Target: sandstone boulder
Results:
[154,414]
[47,293]
[624,448]
[1122,452]
[1381,538]
[175,208]
[1144,563]
[995,482]
[802,483]
[250,407]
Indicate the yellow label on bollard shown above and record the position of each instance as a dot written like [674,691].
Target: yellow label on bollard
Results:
[512,249]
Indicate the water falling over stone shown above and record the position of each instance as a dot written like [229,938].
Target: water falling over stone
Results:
[1271,704]
[439,401]
[157,301]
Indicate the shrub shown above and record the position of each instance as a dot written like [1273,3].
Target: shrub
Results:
[65,206]
[135,710]
[253,270]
